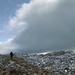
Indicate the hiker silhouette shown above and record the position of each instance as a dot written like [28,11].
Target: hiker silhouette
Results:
[11,55]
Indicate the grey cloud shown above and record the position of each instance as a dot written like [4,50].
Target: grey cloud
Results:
[49,29]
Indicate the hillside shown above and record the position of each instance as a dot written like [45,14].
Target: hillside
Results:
[55,63]
[18,66]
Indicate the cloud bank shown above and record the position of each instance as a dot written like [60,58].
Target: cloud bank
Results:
[7,46]
[44,25]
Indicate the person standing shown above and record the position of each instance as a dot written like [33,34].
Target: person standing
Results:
[11,55]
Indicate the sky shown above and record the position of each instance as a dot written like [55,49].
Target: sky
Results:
[8,9]
[37,26]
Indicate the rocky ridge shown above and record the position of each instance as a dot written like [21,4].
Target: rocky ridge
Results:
[18,66]
[55,63]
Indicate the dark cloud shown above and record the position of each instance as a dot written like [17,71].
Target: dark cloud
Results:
[48,27]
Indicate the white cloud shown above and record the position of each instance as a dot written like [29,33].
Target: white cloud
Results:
[19,21]
[7,46]
[45,25]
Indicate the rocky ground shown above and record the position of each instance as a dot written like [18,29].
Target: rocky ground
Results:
[24,64]
[18,66]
